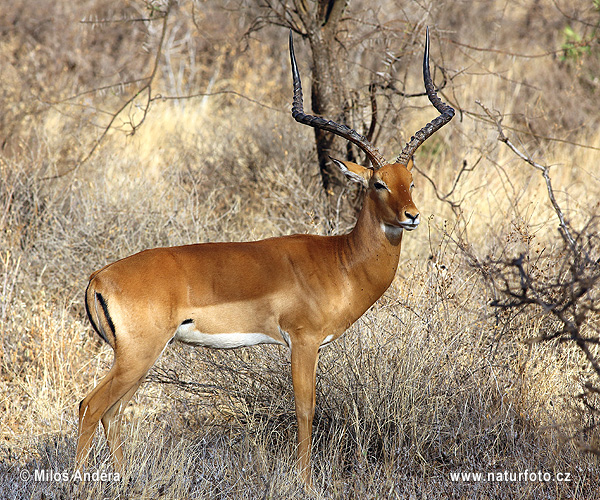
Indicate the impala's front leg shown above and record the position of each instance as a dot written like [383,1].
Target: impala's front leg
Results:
[304,370]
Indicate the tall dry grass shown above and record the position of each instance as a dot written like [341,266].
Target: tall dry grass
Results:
[430,381]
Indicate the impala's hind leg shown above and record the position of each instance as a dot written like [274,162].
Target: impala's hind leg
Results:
[113,392]
[111,421]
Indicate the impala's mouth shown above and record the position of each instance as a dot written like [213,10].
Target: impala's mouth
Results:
[409,226]
[396,228]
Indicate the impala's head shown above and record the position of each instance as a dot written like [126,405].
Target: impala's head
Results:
[389,185]
[390,188]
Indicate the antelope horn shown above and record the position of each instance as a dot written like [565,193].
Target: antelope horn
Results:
[347,133]
[446,111]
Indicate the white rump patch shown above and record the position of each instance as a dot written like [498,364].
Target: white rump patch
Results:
[188,334]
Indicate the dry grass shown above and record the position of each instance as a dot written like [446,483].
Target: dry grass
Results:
[429,382]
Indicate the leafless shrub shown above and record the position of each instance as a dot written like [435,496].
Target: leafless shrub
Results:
[562,288]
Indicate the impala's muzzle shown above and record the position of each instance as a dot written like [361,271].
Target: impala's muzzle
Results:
[411,222]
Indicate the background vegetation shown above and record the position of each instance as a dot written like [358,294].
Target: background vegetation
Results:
[110,146]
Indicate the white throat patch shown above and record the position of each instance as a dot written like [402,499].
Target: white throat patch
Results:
[391,231]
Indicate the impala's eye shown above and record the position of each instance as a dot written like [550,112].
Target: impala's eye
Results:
[412,185]
[379,185]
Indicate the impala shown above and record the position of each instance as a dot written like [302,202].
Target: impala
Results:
[300,291]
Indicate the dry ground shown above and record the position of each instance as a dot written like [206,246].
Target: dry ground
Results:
[430,382]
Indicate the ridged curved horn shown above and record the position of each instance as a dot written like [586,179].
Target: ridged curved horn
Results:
[446,111]
[347,133]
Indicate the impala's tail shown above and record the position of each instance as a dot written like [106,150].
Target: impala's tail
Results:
[96,308]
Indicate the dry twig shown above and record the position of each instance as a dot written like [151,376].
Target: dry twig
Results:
[564,229]
[147,88]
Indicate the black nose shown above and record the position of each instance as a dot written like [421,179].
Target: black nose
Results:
[411,216]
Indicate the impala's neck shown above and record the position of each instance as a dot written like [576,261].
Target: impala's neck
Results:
[373,248]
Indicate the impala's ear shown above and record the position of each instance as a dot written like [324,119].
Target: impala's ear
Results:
[410,164]
[354,172]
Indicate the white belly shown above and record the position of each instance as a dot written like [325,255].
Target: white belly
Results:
[326,341]
[187,333]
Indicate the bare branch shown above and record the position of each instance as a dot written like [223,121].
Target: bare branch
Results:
[564,229]
[530,133]
[147,87]
[160,97]
[506,52]
[455,205]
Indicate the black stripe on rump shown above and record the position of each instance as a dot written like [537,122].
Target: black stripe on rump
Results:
[104,306]
[90,317]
